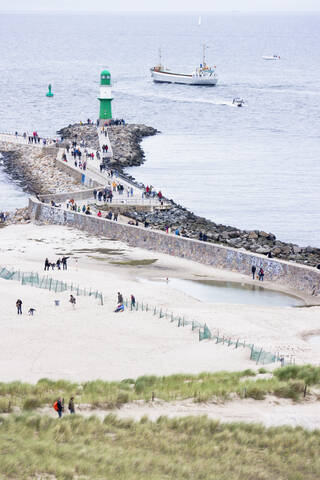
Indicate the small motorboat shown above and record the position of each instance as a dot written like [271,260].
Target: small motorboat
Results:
[273,57]
[238,102]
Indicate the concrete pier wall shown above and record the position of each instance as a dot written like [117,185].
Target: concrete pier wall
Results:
[64,196]
[291,275]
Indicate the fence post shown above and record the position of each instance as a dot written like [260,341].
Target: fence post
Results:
[251,351]
[101,298]
[237,343]
[142,306]
[259,356]
[160,313]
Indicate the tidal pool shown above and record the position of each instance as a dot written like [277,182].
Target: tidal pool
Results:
[214,291]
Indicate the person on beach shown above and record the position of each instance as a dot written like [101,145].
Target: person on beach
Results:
[31,311]
[46,264]
[99,214]
[72,300]
[133,301]
[71,405]
[64,263]
[253,271]
[58,406]
[19,306]
[120,308]
[120,297]
[58,264]
[261,274]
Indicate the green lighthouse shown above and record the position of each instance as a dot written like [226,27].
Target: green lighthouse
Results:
[105,97]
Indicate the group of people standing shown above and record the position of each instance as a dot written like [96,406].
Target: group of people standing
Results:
[60,262]
[260,274]
[59,406]
[19,308]
[105,194]
[120,304]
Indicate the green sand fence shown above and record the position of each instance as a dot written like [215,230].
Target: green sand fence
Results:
[257,354]
[34,280]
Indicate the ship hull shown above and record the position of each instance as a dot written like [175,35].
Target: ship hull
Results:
[166,77]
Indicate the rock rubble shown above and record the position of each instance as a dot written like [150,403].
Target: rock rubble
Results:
[77,132]
[256,241]
[36,168]
[125,141]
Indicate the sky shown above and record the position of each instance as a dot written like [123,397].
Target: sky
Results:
[159,5]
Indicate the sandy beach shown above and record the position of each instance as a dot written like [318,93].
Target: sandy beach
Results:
[91,341]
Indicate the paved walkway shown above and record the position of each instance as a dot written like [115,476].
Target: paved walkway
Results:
[132,195]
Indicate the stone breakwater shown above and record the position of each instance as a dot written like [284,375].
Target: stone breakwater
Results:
[36,168]
[125,141]
[297,277]
[256,241]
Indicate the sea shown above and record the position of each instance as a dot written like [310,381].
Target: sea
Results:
[255,167]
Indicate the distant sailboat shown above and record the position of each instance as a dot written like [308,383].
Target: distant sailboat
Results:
[199,21]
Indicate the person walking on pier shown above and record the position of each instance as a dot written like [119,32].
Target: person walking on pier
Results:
[19,306]
[253,271]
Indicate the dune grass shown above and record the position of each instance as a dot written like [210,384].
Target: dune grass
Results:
[287,382]
[196,448]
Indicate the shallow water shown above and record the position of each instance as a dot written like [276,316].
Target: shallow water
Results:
[213,291]
[314,340]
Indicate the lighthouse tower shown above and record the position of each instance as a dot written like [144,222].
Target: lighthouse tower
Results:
[105,98]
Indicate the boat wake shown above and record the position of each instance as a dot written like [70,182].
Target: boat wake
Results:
[175,99]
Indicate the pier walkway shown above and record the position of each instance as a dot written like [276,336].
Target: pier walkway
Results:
[92,175]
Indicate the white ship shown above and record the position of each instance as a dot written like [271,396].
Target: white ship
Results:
[203,75]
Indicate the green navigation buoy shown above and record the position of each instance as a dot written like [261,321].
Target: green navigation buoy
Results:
[49,94]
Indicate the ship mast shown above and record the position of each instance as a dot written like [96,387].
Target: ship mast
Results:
[204,47]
